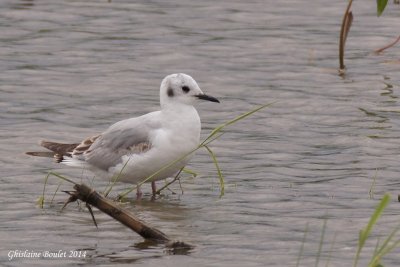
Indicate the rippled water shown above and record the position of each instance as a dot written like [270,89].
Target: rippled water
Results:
[71,68]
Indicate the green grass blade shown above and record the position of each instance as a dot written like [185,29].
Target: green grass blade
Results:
[375,216]
[190,172]
[364,233]
[126,192]
[221,177]
[321,242]
[238,118]
[40,202]
[303,241]
[62,177]
[114,180]
[377,246]
[372,188]
[41,199]
[389,248]
[387,240]
[55,192]
[380,6]
[385,248]
[210,140]
[330,250]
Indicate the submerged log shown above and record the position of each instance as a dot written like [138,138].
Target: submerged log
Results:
[91,197]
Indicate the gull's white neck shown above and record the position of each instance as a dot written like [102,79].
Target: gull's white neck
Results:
[183,118]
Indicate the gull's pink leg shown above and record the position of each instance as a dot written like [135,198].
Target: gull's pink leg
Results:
[138,193]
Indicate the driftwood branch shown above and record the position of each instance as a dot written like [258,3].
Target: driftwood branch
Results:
[91,197]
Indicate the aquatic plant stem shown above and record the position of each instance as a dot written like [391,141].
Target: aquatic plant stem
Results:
[388,46]
[344,30]
[302,246]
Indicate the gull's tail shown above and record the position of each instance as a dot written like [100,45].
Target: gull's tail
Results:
[58,150]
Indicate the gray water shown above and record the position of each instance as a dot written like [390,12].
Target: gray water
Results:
[69,69]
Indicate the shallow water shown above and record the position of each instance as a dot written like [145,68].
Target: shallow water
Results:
[71,68]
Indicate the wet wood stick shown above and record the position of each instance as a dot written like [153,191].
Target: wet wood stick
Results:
[90,196]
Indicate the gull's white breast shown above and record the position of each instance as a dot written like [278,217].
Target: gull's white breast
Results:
[178,136]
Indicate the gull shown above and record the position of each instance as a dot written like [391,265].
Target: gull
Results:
[135,149]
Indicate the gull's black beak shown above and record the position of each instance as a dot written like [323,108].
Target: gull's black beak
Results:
[207,97]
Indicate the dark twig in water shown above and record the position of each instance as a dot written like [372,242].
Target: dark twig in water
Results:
[91,213]
[72,198]
[388,46]
[91,197]
[171,182]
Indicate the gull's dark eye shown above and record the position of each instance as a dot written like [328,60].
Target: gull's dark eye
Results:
[185,89]
[170,92]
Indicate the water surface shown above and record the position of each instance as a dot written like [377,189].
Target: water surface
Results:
[71,68]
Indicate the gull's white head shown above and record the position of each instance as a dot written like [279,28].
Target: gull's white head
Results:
[181,88]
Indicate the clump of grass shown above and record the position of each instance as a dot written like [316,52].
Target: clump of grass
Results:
[387,246]
[41,199]
[381,250]
[364,233]
[320,245]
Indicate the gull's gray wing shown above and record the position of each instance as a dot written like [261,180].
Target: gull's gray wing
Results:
[124,137]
